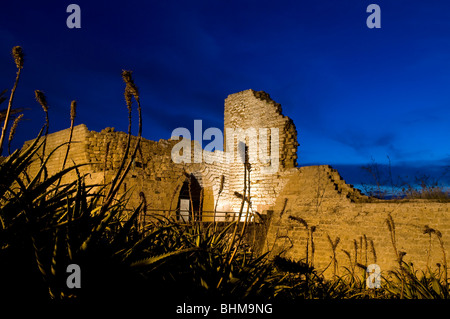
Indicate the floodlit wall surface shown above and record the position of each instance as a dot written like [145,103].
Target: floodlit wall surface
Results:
[311,208]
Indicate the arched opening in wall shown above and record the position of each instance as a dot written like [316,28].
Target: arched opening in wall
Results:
[190,200]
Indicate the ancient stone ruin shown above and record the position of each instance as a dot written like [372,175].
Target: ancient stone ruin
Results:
[307,213]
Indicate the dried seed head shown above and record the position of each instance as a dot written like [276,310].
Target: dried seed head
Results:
[126,76]
[347,253]
[361,266]
[40,97]
[222,182]
[14,127]
[390,223]
[330,240]
[401,254]
[131,87]
[338,240]
[372,247]
[335,243]
[299,219]
[73,110]
[238,195]
[17,54]
[428,230]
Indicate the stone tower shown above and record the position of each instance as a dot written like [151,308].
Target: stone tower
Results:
[256,120]
[255,109]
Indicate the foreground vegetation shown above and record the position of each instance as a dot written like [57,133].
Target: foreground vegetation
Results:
[46,225]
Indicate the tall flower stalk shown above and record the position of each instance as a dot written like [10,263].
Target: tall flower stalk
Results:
[17,54]
[130,90]
[73,114]
[13,131]
[42,100]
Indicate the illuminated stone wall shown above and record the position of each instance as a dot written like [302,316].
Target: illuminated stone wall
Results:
[291,197]
[316,198]
[159,179]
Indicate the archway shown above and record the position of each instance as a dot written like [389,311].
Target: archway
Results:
[189,202]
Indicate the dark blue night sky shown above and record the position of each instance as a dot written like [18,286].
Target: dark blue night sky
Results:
[354,93]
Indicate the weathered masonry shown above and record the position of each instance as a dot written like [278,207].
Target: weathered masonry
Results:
[302,204]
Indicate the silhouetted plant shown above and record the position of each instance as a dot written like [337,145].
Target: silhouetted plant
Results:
[45,225]
[334,245]
[18,56]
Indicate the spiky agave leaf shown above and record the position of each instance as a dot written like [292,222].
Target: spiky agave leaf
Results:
[159,259]
[15,164]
